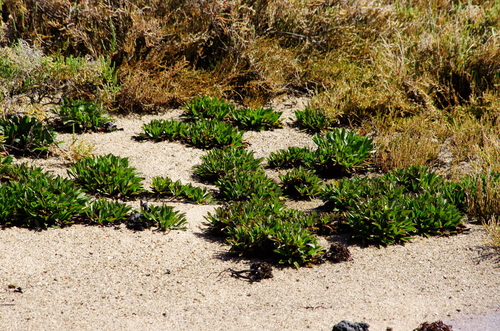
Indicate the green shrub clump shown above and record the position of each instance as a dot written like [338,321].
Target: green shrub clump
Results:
[257,119]
[164,186]
[264,228]
[312,120]
[394,207]
[35,199]
[301,184]
[223,162]
[80,115]
[25,135]
[107,175]
[338,152]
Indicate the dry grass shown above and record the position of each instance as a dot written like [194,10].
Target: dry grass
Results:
[493,228]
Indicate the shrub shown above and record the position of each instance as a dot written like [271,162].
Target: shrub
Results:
[80,115]
[165,218]
[312,120]
[222,162]
[213,134]
[293,157]
[207,108]
[105,212]
[243,185]
[264,228]
[257,119]
[107,175]
[343,150]
[25,135]
[35,199]
[159,130]
[301,183]
[394,207]
[167,187]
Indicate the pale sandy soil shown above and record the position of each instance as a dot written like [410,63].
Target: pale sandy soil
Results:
[91,278]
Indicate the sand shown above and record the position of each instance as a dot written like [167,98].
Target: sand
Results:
[95,278]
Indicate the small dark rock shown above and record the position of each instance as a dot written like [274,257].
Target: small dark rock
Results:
[350,326]
[436,326]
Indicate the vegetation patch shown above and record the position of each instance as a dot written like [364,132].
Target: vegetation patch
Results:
[107,175]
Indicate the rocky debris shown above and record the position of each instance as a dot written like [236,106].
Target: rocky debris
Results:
[338,253]
[257,272]
[436,326]
[350,326]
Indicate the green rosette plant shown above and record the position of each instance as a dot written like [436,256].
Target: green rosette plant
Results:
[107,175]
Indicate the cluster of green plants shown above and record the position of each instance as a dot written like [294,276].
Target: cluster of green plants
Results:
[313,120]
[207,123]
[164,186]
[36,199]
[301,183]
[25,135]
[80,115]
[338,152]
[205,134]
[107,175]
[222,162]
[265,228]
[394,207]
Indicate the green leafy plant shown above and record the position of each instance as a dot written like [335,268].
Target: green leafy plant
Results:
[80,115]
[340,150]
[301,183]
[165,218]
[222,162]
[258,227]
[213,134]
[381,221]
[396,206]
[312,120]
[35,199]
[242,185]
[105,212]
[25,135]
[257,119]
[167,187]
[107,175]
[159,130]
[293,157]
[207,108]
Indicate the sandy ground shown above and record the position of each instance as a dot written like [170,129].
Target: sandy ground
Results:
[92,278]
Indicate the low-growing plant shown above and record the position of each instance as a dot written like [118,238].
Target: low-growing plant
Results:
[159,130]
[259,227]
[207,108]
[342,148]
[167,187]
[213,134]
[26,135]
[107,175]
[301,183]
[241,212]
[34,199]
[105,212]
[222,162]
[257,119]
[381,221]
[312,120]
[242,185]
[394,207]
[80,115]
[293,157]
[165,218]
